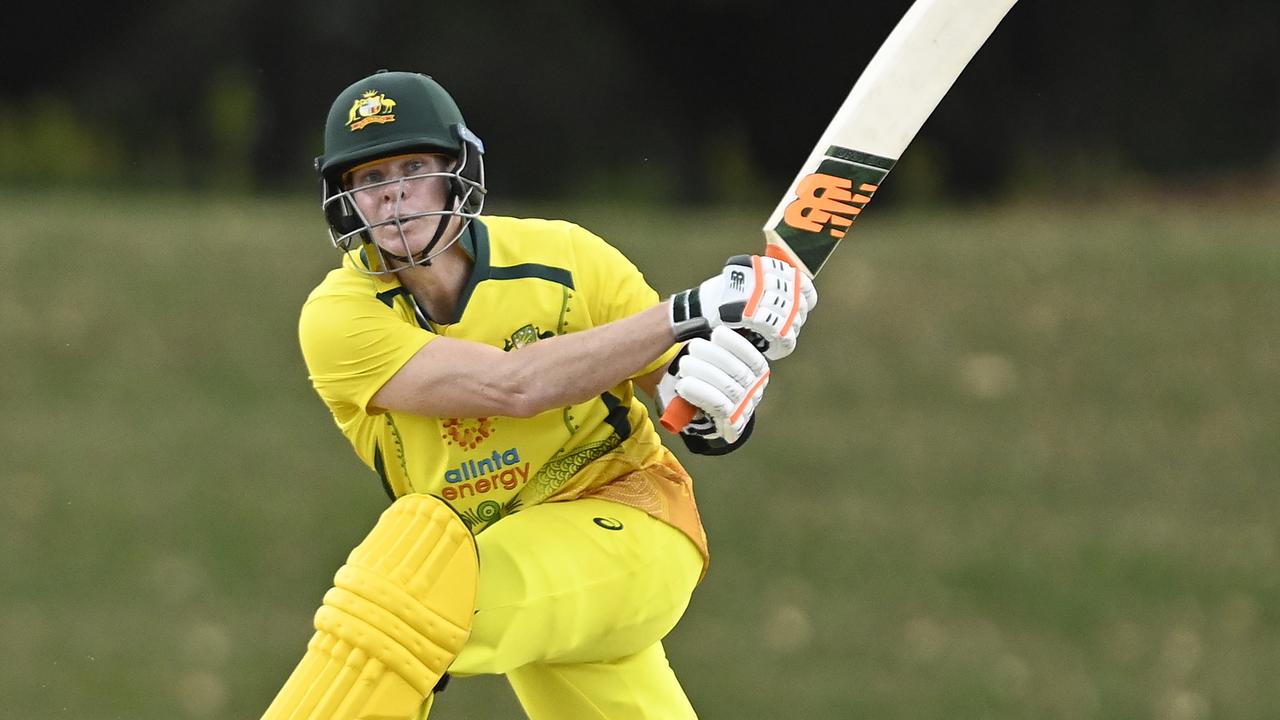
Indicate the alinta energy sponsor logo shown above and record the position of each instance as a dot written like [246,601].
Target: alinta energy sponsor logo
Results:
[477,476]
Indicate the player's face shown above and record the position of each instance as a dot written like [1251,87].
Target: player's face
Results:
[402,187]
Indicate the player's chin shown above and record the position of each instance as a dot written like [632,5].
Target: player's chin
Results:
[410,238]
[398,249]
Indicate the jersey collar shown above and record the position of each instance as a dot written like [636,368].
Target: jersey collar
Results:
[474,242]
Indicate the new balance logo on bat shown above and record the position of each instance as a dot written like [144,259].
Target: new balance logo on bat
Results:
[826,202]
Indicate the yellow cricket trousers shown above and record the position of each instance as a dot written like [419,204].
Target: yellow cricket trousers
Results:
[574,600]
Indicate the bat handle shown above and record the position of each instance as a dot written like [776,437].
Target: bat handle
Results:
[679,412]
[777,253]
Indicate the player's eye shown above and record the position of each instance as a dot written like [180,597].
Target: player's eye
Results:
[368,178]
[415,167]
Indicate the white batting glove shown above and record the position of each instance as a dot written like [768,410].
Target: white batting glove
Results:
[723,377]
[766,296]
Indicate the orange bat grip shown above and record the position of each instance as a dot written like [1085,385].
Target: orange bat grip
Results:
[679,413]
[776,253]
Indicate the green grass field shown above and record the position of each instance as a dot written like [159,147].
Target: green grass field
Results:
[1022,465]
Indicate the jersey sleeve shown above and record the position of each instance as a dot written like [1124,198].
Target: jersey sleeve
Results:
[352,346]
[613,286]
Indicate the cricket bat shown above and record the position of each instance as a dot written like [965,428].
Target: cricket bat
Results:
[896,93]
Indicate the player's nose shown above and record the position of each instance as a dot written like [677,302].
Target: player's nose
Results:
[392,192]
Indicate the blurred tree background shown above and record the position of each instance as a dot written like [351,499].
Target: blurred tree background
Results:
[691,100]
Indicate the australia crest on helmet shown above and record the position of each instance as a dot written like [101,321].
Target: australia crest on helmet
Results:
[372,107]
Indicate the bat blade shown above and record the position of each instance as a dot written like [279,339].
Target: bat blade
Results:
[905,80]
[896,93]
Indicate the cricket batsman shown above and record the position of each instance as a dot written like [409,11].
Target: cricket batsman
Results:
[486,369]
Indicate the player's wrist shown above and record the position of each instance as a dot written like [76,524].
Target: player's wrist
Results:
[685,316]
[707,301]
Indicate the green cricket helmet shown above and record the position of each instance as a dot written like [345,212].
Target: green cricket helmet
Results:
[389,114]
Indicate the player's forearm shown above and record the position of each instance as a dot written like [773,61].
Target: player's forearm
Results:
[458,378]
[569,369]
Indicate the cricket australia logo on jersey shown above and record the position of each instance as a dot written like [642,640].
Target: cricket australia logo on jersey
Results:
[527,335]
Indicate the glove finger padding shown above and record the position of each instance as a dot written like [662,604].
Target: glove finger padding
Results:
[741,348]
[809,292]
[712,398]
[779,306]
[724,377]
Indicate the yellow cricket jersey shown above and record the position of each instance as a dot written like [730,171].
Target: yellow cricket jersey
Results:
[531,279]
